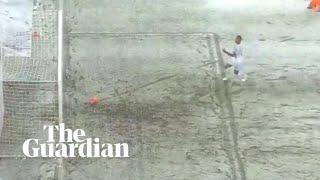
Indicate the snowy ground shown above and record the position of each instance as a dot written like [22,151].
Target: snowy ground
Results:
[15,26]
[181,121]
[171,124]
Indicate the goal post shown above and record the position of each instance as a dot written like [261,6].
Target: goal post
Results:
[1,93]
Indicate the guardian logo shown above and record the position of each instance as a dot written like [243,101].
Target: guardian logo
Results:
[72,144]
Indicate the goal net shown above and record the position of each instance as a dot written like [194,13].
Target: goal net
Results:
[28,84]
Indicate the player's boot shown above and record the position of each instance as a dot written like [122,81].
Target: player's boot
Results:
[244,78]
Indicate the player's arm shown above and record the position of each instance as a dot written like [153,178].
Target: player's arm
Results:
[228,53]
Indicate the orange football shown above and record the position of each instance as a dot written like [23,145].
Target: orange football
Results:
[93,100]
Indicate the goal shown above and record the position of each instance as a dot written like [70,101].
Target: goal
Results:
[29,84]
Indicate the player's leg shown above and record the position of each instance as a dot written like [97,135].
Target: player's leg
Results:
[244,77]
[236,66]
[241,72]
[225,78]
[227,66]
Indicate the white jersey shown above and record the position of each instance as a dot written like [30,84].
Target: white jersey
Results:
[238,52]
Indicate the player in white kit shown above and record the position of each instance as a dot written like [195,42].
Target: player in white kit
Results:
[237,59]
